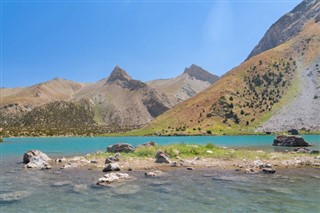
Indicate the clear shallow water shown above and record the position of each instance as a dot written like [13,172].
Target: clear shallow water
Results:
[180,191]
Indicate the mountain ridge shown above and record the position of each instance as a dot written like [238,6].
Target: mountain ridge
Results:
[267,85]
[114,102]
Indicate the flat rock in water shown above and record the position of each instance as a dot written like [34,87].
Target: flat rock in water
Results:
[112,178]
[120,147]
[289,140]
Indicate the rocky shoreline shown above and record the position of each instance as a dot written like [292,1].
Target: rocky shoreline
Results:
[117,166]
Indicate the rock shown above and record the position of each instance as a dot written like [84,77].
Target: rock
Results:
[305,150]
[153,174]
[60,160]
[189,168]
[260,164]
[251,171]
[111,159]
[150,143]
[268,171]
[301,150]
[70,165]
[98,152]
[112,178]
[209,152]
[162,157]
[34,153]
[289,140]
[13,196]
[174,164]
[111,167]
[36,162]
[120,147]
[293,132]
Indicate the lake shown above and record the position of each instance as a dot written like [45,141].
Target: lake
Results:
[203,190]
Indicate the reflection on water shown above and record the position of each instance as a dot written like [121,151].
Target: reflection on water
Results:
[209,190]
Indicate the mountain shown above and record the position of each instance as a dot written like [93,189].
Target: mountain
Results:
[275,90]
[115,103]
[192,81]
[54,90]
[288,26]
[122,101]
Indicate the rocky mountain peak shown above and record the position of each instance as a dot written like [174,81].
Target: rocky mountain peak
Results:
[288,26]
[200,74]
[118,74]
[121,78]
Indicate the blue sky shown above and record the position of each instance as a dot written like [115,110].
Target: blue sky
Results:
[83,41]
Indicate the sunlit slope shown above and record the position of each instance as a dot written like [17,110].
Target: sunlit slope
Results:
[54,90]
[250,94]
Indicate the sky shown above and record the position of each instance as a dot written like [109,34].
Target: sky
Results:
[84,40]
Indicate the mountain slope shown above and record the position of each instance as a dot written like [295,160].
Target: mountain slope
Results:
[288,26]
[193,80]
[54,90]
[252,93]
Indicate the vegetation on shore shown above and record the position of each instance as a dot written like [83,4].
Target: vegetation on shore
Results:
[188,151]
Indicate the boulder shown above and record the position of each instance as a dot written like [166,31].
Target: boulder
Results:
[289,140]
[112,178]
[120,147]
[111,167]
[114,158]
[36,162]
[34,153]
[150,143]
[162,157]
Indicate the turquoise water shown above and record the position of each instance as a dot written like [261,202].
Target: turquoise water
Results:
[200,190]
[81,145]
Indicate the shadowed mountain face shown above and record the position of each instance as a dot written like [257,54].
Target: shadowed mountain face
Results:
[276,90]
[288,26]
[116,101]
